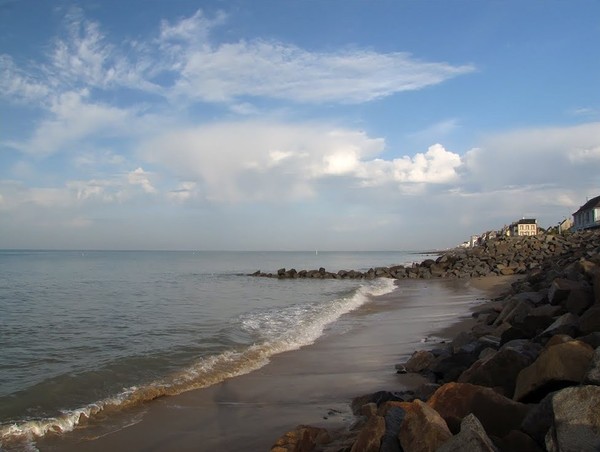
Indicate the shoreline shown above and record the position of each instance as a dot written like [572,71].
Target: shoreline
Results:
[312,385]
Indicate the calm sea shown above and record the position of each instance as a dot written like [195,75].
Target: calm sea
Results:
[85,333]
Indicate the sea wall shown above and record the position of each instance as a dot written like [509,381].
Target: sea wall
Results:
[501,256]
[526,377]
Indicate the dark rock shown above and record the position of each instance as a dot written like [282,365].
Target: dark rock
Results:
[500,370]
[579,300]
[560,289]
[472,437]
[393,420]
[592,376]
[498,414]
[516,440]
[589,322]
[419,361]
[539,420]
[557,366]
[378,398]
[449,368]
[302,439]
[576,425]
[592,339]
[565,324]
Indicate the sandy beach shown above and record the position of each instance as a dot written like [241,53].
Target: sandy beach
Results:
[313,385]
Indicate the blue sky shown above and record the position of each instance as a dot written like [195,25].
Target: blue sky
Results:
[267,125]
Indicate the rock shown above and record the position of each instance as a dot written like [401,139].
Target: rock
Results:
[498,414]
[449,368]
[423,429]
[576,420]
[539,420]
[557,366]
[369,438]
[368,409]
[592,339]
[393,420]
[592,376]
[426,390]
[516,440]
[565,324]
[378,398]
[500,370]
[589,322]
[303,438]
[472,438]
[579,300]
[560,289]
[419,361]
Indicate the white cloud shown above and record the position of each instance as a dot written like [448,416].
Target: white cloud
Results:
[190,29]
[141,178]
[276,70]
[184,192]
[586,155]
[17,84]
[528,157]
[73,119]
[235,162]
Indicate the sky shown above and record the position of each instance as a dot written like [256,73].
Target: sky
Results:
[293,125]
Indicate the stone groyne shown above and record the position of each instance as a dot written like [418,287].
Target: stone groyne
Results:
[501,256]
[526,377]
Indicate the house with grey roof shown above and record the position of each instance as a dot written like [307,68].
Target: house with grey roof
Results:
[525,226]
[588,215]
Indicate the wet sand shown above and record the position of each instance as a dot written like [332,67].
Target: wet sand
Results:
[313,385]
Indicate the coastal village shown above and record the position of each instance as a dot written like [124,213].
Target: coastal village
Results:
[586,217]
[523,376]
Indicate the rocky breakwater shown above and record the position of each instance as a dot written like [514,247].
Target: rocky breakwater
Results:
[526,377]
[501,256]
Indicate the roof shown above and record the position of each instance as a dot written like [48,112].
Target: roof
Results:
[592,203]
[527,221]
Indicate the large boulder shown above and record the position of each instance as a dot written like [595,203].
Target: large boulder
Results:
[423,429]
[565,324]
[592,376]
[539,420]
[472,438]
[378,398]
[561,288]
[589,322]
[498,414]
[419,361]
[557,366]
[369,438]
[576,424]
[303,438]
[393,416]
[579,300]
[500,369]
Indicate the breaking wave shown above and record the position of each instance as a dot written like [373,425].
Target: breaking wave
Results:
[275,330]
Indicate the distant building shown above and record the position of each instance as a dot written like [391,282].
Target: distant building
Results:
[526,226]
[565,225]
[588,215]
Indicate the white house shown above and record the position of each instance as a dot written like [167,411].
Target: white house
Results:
[526,226]
[588,215]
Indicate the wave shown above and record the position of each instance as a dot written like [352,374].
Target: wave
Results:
[286,330]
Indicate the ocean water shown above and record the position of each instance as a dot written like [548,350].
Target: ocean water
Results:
[85,333]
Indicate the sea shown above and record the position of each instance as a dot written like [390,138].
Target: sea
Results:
[87,333]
